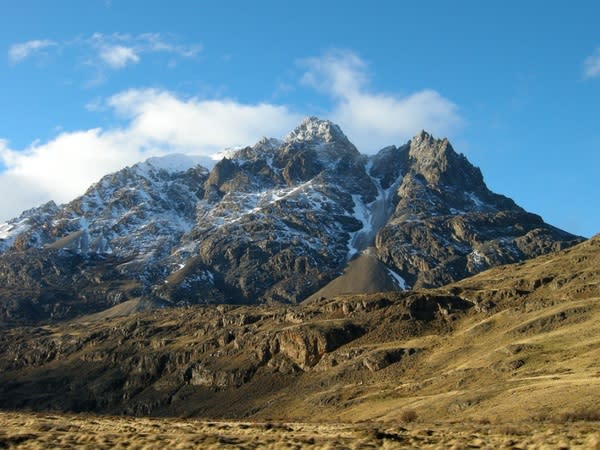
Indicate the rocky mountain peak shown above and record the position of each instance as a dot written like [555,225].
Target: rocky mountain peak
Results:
[319,141]
[423,136]
[317,130]
[436,160]
[275,221]
[268,143]
[427,149]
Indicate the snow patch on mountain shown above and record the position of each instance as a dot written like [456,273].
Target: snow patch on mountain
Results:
[206,276]
[398,279]
[173,163]
[374,215]
[477,259]
[10,230]
[476,201]
[359,240]
[234,206]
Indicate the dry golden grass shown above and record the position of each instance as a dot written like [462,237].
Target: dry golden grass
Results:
[512,369]
[37,431]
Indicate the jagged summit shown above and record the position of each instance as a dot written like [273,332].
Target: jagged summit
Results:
[438,162]
[316,130]
[325,139]
[424,145]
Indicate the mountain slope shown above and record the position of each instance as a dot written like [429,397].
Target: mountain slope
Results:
[447,224]
[499,345]
[274,222]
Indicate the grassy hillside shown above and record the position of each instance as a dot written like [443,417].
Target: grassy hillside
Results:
[519,342]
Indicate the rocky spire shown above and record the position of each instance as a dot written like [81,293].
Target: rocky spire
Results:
[437,161]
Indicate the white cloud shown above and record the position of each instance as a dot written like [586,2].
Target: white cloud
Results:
[61,168]
[208,125]
[21,51]
[118,56]
[155,42]
[113,51]
[155,123]
[374,120]
[117,49]
[591,65]
[339,72]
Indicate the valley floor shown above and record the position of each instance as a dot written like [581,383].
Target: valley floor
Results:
[49,430]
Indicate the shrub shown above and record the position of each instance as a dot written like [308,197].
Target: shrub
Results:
[408,415]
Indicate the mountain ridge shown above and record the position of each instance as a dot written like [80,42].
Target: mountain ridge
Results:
[275,222]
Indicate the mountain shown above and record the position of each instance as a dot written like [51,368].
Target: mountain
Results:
[274,222]
[516,342]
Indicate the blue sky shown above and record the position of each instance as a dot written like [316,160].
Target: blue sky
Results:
[89,87]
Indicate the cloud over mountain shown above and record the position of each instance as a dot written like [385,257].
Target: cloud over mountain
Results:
[376,119]
[153,122]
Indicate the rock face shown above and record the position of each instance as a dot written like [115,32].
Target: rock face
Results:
[274,222]
[447,224]
[191,360]
[57,285]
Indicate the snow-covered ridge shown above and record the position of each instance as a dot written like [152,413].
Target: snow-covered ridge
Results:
[266,143]
[265,146]
[139,212]
[174,163]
